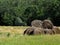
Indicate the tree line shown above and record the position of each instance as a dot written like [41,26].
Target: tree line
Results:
[22,12]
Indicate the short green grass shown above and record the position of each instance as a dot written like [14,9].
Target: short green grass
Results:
[31,40]
[10,37]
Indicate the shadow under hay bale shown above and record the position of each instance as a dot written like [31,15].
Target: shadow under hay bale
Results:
[36,23]
[47,24]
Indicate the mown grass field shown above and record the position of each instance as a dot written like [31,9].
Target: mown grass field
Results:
[10,35]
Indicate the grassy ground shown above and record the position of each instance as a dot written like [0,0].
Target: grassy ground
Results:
[13,36]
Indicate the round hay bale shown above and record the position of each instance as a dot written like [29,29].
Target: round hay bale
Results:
[56,29]
[36,23]
[47,24]
[38,31]
[48,31]
[29,31]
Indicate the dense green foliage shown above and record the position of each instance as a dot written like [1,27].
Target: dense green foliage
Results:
[22,12]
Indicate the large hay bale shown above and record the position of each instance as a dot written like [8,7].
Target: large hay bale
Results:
[38,31]
[29,31]
[56,29]
[49,31]
[36,23]
[47,24]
